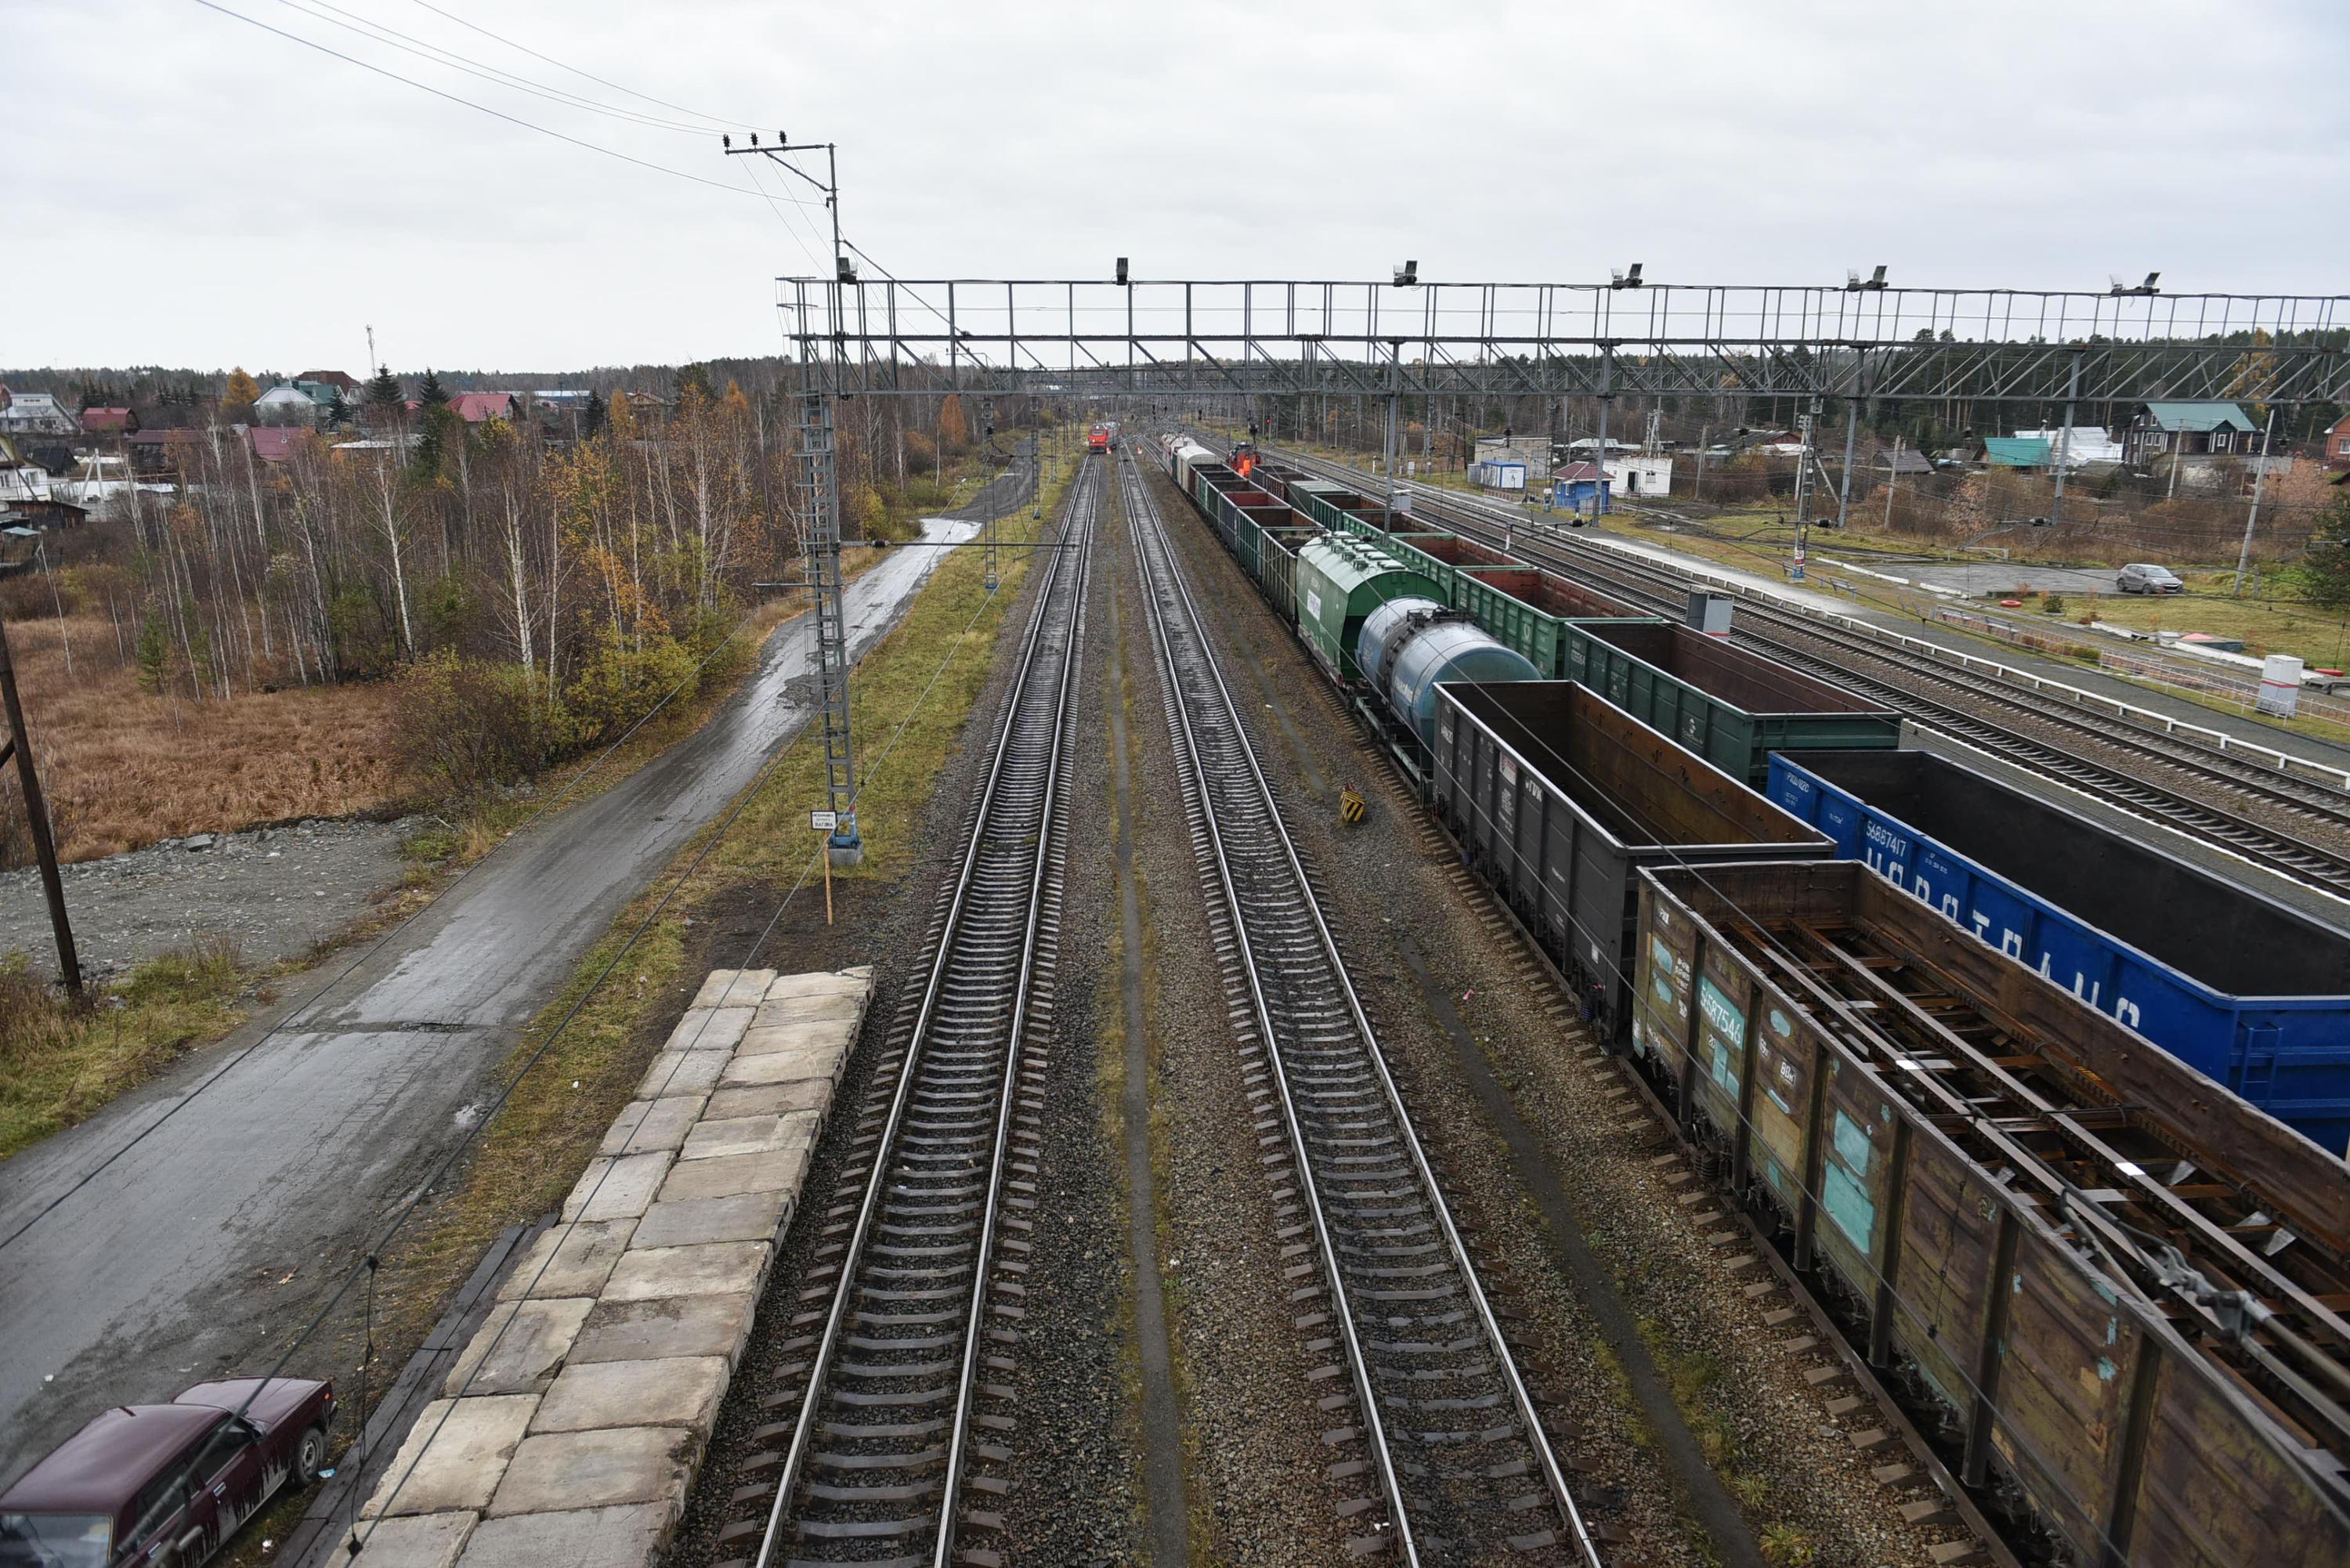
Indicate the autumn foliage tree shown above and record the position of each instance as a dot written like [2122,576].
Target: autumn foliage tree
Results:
[532,585]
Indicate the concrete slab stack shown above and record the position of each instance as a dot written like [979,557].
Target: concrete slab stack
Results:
[570,1431]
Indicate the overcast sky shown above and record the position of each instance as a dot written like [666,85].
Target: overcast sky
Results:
[188,189]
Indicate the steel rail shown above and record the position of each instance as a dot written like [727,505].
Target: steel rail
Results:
[2285,851]
[1083,506]
[1162,576]
[1017,1030]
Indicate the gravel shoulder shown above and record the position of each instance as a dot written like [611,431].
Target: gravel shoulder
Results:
[272,892]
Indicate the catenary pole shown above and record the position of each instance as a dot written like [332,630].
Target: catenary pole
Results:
[1844,483]
[2244,556]
[2065,441]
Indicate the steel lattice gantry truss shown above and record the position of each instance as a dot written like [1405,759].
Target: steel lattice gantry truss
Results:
[1381,339]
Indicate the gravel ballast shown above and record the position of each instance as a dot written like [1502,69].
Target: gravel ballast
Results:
[1418,947]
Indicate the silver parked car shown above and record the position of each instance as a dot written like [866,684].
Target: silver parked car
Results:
[2144,578]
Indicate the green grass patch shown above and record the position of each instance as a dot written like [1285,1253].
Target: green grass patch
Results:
[61,1059]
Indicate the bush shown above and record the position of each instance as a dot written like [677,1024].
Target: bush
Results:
[867,515]
[2052,604]
[619,684]
[467,727]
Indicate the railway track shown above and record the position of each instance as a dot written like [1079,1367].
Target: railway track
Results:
[1659,589]
[886,1378]
[1455,1461]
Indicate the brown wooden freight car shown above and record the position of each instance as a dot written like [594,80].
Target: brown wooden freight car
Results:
[2120,1287]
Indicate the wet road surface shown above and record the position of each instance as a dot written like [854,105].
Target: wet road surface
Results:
[172,1264]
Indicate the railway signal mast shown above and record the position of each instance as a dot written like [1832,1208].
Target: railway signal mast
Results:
[823,376]
[1804,424]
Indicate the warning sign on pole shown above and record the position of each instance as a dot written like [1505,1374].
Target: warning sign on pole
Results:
[824,821]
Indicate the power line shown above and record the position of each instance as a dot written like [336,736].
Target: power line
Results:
[485,108]
[574,70]
[376,33]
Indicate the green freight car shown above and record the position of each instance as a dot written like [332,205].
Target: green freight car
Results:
[1340,579]
[1344,511]
[1276,572]
[1530,610]
[1728,706]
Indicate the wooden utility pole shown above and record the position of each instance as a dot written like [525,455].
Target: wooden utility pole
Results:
[44,848]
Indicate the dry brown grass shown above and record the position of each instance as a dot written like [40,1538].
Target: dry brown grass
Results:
[123,768]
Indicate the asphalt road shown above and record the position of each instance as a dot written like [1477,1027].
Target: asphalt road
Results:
[202,1250]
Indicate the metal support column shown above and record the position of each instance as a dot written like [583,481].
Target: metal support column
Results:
[820,494]
[1395,413]
[2064,440]
[1607,395]
[987,525]
[823,374]
[1844,483]
[2259,483]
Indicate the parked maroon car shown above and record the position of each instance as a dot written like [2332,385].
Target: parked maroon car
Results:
[163,1486]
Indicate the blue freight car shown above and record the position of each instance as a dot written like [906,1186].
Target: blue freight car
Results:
[2244,989]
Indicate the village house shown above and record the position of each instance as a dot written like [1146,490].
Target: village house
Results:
[286,404]
[2337,447]
[2188,430]
[475,407]
[108,421]
[35,414]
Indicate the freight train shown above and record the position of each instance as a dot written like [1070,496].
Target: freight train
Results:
[1390,610]
[1965,1059]
[1378,623]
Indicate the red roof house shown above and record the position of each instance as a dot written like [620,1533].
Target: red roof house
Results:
[475,407]
[274,443]
[98,422]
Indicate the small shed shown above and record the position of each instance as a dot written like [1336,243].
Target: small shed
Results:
[1646,474]
[1494,475]
[1904,463]
[1579,487]
[1533,450]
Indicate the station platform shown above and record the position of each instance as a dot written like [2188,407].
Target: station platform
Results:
[570,1430]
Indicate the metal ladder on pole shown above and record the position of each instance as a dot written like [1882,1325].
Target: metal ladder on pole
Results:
[820,493]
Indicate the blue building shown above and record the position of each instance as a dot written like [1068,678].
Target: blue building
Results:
[1580,487]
